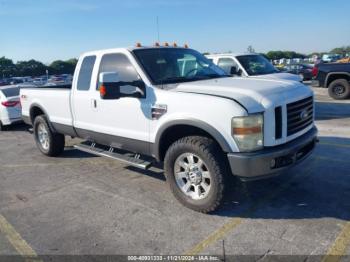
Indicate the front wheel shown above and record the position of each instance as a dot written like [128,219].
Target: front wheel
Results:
[48,142]
[196,171]
[339,89]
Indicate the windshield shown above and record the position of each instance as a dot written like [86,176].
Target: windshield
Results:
[256,65]
[176,65]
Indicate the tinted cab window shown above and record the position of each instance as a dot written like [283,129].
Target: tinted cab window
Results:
[118,63]
[85,73]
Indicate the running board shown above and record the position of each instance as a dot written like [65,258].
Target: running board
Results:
[128,158]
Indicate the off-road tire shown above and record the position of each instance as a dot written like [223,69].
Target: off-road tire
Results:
[335,85]
[56,141]
[216,163]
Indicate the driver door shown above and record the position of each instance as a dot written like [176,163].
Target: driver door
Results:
[123,122]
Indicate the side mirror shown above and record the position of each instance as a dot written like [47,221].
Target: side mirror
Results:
[235,71]
[111,87]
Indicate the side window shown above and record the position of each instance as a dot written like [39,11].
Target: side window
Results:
[85,73]
[121,64]
[226,64]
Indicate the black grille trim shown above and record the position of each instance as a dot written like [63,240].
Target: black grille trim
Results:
[278,122]
[295,122]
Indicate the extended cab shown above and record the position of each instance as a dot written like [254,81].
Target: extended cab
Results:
[147,104]
[335,77]
[250,65]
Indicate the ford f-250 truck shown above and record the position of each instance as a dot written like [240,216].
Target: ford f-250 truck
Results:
[146,104]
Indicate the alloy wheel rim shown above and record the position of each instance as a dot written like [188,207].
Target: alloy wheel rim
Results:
[43,136]
[192,176]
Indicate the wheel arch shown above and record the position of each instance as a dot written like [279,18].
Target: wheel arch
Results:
[336,75]
[174,130]
[36,110]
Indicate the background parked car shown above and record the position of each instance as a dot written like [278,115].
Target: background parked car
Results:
[250,65]
[10,107]
[303,70]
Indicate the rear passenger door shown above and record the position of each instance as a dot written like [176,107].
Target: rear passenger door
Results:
[82,96]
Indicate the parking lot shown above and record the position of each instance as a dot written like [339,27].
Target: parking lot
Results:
[79,204]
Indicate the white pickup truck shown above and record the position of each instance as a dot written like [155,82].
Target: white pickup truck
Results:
[147,104]
[250,65]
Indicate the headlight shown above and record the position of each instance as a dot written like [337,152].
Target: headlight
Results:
[248,132]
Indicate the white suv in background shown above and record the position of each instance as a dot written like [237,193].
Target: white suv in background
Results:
[250,65]
[10,106]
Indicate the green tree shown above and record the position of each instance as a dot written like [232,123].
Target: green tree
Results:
[341,50]
[275,55]
[7,67]
[63,67]
[30,68]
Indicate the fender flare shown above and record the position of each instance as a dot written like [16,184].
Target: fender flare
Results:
[326,84]
[45,113]
[190,122]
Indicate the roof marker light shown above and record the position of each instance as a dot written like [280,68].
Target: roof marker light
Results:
[166,44]
[138,45]
[156,44]
[186,45]
[175,45]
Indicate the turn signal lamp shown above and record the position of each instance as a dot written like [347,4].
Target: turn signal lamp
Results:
[103,90]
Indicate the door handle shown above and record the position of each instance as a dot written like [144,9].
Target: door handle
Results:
[94,103]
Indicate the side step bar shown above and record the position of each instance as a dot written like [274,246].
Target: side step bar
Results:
[128,158]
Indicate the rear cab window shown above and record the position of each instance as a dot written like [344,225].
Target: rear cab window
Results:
[85,73]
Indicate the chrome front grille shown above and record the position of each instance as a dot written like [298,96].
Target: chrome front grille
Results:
[299,115]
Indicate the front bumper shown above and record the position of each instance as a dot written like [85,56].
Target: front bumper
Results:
[270,161]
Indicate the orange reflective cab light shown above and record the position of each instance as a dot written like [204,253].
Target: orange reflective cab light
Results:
[138,45]
[156,44]
[166,44]
[175,45]
[246,130]
[103,90]
[186,45]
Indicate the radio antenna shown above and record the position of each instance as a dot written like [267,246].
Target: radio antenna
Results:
[158,30]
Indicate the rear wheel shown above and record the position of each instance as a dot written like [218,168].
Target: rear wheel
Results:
[48,142]
[196,172]
[339,89]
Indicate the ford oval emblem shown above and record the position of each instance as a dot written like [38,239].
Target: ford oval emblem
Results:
[304,114]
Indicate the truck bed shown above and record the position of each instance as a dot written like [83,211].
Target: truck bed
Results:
[53,100]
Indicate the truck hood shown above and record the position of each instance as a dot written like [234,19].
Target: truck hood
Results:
[254,94]
[281,76]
